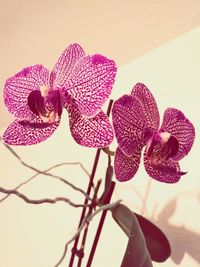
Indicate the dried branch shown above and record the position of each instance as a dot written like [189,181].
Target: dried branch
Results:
[45,173]
[86,220]
[40,201]
[49,169]
[77,163]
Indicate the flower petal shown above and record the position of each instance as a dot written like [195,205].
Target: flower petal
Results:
[143,94]
[65,65]
[91,82]
[26,133]
[129,123]
[167,171]
[126,167]
[175,122]
[18,88]
[90,132]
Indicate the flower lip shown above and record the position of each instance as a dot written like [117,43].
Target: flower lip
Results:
[49,107]
[36,102]
[171,147]
[55,97]
[168,169]
[161,146]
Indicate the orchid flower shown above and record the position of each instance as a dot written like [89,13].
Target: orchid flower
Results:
[78,82]
[136,124]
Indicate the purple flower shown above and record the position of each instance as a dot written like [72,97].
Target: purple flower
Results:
[136,124]
[78,82]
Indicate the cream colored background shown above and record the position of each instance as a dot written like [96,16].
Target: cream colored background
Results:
[37,32]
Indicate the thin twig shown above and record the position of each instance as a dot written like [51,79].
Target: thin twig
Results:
[80,164]
[53,167]
[45,173]
[49,169]
[39,201]
[85,221]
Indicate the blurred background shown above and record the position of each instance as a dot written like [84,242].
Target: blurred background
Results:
[154,42]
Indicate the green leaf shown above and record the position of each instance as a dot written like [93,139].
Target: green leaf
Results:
[136,254]
[124,218]
[157,243]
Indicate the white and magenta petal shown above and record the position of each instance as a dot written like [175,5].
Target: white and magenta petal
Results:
[28,132]
[167,171]
[129,123]
[143,94]
[65,64]
[175,122]
[126,167]
[93,132]
[18,88]
[91,82]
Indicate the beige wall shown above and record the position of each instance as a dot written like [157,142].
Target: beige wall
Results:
[36,31]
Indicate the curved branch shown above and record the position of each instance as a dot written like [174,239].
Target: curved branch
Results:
[43,172]
[40,201]
[47,170]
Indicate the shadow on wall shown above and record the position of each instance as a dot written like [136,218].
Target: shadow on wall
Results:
[182,240]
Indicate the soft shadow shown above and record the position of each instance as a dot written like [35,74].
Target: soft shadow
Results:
[182,240]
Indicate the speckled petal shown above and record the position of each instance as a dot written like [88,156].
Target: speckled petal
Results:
[129,123]
[126,167]
[18,87]
[91,83]
[65,65]
[90,132]
[167,171]
[19,134]
[143,94]
[178,125]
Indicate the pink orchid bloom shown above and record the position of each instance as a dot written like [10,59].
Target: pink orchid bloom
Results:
[136,124]
[78,82]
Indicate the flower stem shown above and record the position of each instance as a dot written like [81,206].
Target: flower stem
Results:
[74,249]
[92,206]
[96,160]
[100,227]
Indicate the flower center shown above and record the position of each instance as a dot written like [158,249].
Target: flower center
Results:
[44,90]
[161,146]
[46,103]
